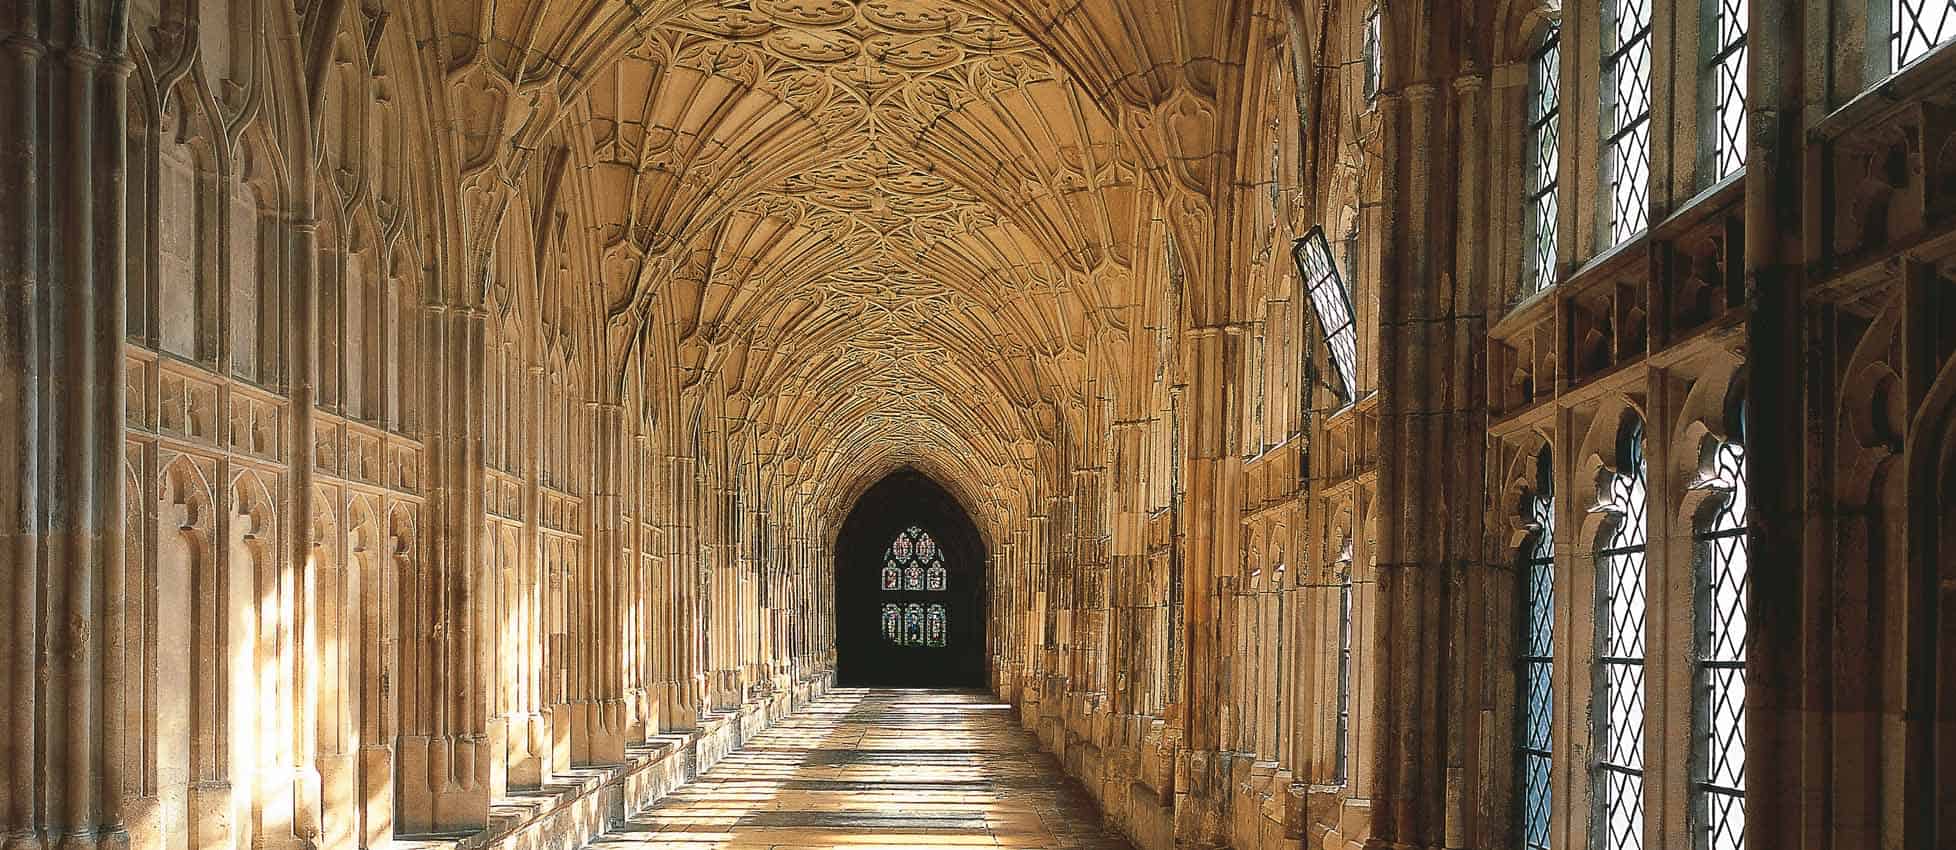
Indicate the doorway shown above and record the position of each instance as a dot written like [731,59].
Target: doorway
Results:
[910,588]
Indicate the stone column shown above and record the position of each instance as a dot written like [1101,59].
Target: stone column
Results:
[598,707]
[1779,173]
[1428,517]
[681,600]
[289,796]
[639,597]
[62,274]
[1212,499]
[451,754]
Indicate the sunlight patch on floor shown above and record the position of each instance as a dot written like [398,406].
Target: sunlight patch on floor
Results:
[867,769]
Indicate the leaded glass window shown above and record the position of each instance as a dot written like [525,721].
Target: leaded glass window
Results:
[934,625]
[1620,649]
[1332,302]
[1544,161]
[1720,672]
[1536,673]
[1728,88]
[913,624]
[1341,759]
[1370,48]
[1626,143]
[1917,27]
[914,565]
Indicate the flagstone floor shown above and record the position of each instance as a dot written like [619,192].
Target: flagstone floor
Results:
[864,769]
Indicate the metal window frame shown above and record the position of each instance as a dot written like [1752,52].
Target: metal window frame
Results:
[1331,302]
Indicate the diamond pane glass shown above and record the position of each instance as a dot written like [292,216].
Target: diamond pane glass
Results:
[1543,165]
[1332,302]
[1623,809]
[1371,50]
[1342,754]
[1626,154]
[1728,89]
[1720,674]
[1620,648]
[1536,676]
[1919,25]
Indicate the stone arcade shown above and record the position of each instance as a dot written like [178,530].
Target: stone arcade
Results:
[1383,423]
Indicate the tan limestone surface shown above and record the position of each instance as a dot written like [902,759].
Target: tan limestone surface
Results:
[880,768]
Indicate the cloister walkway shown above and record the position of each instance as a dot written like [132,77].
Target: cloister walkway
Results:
[879,769]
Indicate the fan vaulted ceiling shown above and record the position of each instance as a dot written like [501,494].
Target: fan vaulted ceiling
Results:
[869,232]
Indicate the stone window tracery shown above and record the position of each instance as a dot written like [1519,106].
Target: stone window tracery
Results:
[1620,648]
[1332,301]
[1719,719]
[1544,161]
[1626,94]
[914,564]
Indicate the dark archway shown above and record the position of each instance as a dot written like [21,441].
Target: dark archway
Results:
[866,656]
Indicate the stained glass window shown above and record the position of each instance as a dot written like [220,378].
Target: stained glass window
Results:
[1536,683]
[1720,673]
[1728,88]
[934,625]
[913,624]
[1333,303]
[1916,27]
[1626,141]
[1544,161]
[1620,649]
[914,564]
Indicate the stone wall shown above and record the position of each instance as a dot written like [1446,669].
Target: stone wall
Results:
[489,382]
